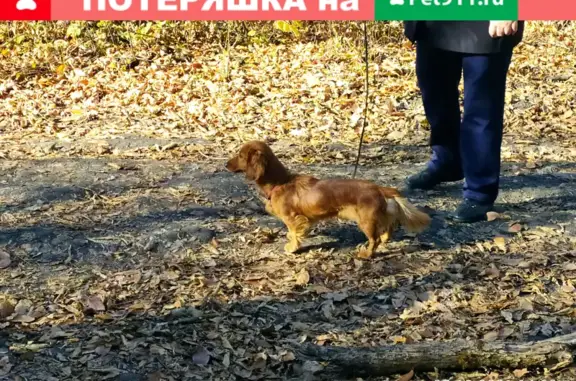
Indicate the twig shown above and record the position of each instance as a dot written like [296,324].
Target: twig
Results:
[228,51]
[366,102]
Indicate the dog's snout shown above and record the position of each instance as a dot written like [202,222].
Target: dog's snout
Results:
[231,164]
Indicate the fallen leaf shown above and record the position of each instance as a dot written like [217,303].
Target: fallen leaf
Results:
[128,277]
[94,303]
[303,277]
[406,377]
[23,307]
[508,316]
[58,333]
[320,289]
[520,372]
[102,350]
[492,377]
[105,317]
[138,306]
[515,228]
[226,344]
[4,259]
[260,360]
[321,340]
[37,312]
[490,336]
[327,309]
[396,135]
[500,242]
[6,309]
[67,371]
[569,267]
[526,305]
[226,360]
[357,308]
[506,332]
[414,311]
[61,69]
[492,216]
[288,356]
[157,350]
[492,273]
[23,319]
[5,365]
[337,296]
[201,356]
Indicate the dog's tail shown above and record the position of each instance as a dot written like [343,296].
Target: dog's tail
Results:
[409,216]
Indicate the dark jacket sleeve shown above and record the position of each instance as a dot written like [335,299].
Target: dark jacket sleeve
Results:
[461,36]
[410,29]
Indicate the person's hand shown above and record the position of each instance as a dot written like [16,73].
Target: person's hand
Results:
[502,28]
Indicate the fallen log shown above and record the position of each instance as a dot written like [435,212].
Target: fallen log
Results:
[456,355]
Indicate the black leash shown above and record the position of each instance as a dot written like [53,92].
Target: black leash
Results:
[366,104]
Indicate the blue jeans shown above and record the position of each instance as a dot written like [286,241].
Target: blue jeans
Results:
[467,146]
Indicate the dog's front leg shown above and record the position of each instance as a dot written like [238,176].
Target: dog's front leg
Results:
[268,207]
[298,227]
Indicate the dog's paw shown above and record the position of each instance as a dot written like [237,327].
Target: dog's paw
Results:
[291,247]
[364,254]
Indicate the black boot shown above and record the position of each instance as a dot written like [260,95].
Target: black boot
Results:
[472,211]
[428,179]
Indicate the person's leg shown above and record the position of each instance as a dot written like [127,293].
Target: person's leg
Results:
[438,73]
[481,131]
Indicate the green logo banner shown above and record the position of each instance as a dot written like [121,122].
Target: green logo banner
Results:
[446,10]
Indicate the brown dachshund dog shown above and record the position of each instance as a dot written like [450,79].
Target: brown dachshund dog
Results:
[300,200]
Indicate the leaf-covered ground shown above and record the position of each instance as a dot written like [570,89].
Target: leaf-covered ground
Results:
[129,253]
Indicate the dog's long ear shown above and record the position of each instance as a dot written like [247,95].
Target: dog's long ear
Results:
[256,165]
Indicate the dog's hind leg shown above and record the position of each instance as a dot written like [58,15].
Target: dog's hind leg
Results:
[385,237]
[387,229]
[388,220]
[370,227]
[298,227]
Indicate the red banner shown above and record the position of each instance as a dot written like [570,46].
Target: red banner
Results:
[550,10]
[239,9]
[16,10]
[212,10]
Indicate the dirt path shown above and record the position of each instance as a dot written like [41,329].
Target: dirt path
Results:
[171,268]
